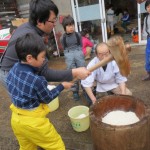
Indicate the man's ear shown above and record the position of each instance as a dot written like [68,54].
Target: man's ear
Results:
[39,24]
[29,58]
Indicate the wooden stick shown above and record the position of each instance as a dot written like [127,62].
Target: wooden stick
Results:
[102,62]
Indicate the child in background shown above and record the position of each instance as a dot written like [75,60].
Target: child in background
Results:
[86,44]
[146,35]
[30,96]
[72,45]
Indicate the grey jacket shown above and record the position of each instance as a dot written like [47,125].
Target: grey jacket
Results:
[144,33]
[10,56]
[71,41]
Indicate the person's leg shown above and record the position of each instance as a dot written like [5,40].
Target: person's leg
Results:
[24,142]
[112,28]
[79,58]
[88,52]
[69,59]
[118,91]
[124,26]
[101,94]
[79,62]
[75,90]
[128,92]
[147,61]
[32,132]
[108,27]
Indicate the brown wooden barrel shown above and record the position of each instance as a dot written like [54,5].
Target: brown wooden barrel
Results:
[126,137]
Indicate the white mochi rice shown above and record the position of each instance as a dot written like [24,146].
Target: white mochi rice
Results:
[120,118]
[81,116]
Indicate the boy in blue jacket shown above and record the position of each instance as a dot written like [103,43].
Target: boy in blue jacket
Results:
[30,96]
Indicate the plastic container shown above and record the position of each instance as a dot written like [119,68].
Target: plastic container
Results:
[123,137]
[54,104]
[79,117]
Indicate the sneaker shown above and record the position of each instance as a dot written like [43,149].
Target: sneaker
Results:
[76,96]
[146,78]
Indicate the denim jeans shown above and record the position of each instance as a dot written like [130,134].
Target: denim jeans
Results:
[147,56]
[74,58]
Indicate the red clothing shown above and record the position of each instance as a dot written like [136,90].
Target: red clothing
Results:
[86,43]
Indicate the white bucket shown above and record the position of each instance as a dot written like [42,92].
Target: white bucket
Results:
[54,104]
[79,117]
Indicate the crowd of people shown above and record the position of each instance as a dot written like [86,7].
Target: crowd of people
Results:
[24,71]
[117,17]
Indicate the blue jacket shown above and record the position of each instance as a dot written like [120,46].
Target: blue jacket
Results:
[126,18]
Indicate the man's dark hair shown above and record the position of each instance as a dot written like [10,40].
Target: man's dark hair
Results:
[147,3]
[68,20]
[40,10]
[29,44]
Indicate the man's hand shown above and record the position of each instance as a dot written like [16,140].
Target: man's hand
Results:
[80,73]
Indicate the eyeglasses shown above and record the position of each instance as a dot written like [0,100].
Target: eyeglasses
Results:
[103,54]
[52,21]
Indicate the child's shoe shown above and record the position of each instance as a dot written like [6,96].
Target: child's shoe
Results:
[76,96]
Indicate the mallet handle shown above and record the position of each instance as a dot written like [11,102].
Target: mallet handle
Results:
[101,63]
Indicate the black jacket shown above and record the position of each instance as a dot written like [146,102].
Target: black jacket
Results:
[10,56]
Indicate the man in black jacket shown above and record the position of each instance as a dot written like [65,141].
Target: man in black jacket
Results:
[43,17]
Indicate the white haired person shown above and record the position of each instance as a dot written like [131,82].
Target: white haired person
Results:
[107,78]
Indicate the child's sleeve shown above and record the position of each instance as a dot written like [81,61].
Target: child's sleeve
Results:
[44,94]
[89,43]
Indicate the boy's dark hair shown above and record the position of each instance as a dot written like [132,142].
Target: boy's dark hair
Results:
[68,20]
[29,44]
[40,10]
[84,31]
[147,3]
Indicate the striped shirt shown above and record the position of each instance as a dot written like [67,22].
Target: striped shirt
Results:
[27,89]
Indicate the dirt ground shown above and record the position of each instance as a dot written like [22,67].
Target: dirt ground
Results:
[73,140]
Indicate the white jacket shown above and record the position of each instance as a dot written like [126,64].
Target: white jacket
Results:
[106,80]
